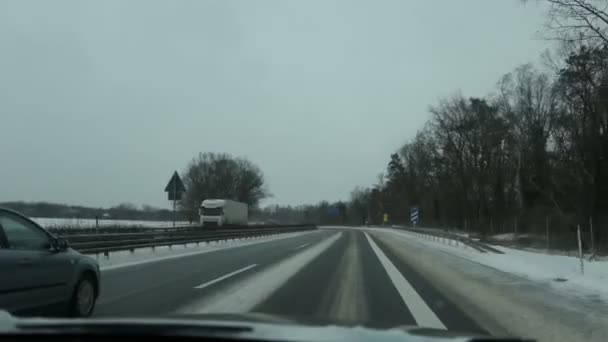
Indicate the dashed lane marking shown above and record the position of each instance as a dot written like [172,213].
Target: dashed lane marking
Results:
[225,276]
[245,295]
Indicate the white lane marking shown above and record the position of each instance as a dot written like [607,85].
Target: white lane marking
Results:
[225,276]
[424,316]
[303,245]
[244,295]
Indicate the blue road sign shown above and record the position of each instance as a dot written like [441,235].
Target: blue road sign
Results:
[414,215]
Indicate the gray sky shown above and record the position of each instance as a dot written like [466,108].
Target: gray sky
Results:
[101,100]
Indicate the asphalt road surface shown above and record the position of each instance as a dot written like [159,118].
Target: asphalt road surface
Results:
[348,276]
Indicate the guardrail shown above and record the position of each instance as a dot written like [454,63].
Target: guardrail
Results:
[111,242]
[479,246]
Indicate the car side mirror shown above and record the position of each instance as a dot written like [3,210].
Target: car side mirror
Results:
[60,244]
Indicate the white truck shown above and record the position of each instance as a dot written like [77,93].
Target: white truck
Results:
[219,212]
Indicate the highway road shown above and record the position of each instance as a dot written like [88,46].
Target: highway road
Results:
[349,276]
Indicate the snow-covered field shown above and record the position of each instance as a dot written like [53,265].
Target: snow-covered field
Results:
[561,271]
[90,223]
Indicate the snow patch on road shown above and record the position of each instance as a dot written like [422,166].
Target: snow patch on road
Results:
[244,296]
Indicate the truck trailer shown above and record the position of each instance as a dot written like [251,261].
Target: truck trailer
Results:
[220,212]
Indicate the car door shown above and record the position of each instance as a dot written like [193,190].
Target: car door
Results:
[13,279]
[33,274]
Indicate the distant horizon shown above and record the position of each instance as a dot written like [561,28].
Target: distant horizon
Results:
[317,94]
[140,206]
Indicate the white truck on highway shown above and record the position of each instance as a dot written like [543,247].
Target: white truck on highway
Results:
[219,212]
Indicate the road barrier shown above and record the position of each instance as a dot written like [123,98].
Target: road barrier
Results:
[450,238]
[107,242]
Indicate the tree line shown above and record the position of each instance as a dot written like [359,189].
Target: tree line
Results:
[531,155]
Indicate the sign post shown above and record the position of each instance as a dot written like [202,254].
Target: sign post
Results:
[580,248]
[175,188]
[414,216]
[592,238]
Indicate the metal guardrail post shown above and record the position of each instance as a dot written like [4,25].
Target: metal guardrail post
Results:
[109,242]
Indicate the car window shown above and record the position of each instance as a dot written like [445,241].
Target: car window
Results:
[23,235]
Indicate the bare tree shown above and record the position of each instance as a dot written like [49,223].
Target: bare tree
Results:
[212,175]
[528,100]
[582,137]
[578,20]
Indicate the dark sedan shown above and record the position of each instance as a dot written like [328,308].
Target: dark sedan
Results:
[40,274]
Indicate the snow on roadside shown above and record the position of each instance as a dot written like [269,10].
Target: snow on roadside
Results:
[504,237]
[48,222]
[121,259]
[504,303]
[562,272]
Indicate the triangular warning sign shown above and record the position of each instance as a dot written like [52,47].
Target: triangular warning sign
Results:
[175,185]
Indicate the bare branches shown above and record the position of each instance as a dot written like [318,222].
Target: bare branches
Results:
[578,20]
[534,147]
[216,175]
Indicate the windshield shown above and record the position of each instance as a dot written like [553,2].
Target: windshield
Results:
[212,211]
[374,163]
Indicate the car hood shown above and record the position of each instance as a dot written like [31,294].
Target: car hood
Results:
[247,326]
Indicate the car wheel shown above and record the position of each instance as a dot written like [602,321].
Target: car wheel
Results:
[83,298]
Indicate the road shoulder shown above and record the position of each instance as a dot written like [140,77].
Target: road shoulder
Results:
[500,303]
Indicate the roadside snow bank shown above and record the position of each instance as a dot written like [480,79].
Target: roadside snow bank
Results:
[562,272]
[513,293]
[504,237]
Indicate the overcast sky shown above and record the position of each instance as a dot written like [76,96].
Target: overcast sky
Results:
[100,101]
